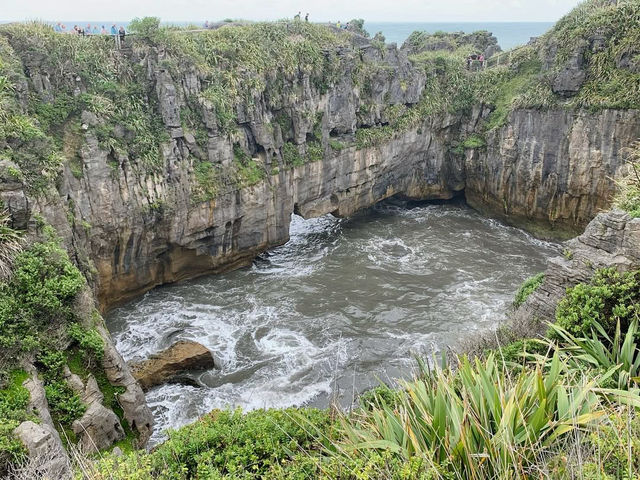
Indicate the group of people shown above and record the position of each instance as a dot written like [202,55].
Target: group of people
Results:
[92,30]
[475,58]
[297,17]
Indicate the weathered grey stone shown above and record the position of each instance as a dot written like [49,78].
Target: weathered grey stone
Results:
[132,401]
[47,457]
[169,108]
[38,404]
[573,73]
[98,428]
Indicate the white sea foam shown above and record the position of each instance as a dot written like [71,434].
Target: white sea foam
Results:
[344,304]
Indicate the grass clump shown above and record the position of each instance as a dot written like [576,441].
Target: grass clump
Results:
[291,155]
[454,417]
[527,288]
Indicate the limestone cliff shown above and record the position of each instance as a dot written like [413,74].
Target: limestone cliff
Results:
[215,196]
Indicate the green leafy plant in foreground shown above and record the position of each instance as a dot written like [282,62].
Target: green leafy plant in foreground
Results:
[479,419]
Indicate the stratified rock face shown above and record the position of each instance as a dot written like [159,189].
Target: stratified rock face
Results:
[132,228]
[551,172]
[183,356]
[611,240]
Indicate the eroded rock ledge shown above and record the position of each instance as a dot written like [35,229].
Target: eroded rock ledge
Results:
[611,240]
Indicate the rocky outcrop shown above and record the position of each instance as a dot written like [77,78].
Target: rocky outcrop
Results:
[181,357]
[551,172]
[47,457]
[482,42]
[132,401]
[99,427]
[611,240]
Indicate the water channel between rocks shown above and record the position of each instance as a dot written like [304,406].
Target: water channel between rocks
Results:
[342,306]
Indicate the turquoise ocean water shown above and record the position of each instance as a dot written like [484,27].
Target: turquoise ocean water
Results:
[509,34]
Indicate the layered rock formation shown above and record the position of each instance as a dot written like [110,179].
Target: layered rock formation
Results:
[550,171]
[611,240]
[229,174]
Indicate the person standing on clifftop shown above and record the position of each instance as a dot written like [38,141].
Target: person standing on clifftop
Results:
[122,34]
[114,32]
[297,17]
[306,17]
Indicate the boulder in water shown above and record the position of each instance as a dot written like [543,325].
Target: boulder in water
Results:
[181,357]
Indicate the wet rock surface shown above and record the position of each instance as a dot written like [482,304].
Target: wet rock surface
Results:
[167,365]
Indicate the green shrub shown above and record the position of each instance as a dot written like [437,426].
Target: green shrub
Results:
[38,296]
[236,444]
[13,411]
[527,288]
[64,404]
[378,396]
[609,298]
[89,340]
[520,351]
[147,28]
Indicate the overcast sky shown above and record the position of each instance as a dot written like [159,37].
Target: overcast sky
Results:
[320,10]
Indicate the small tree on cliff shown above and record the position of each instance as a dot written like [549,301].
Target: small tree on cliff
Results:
[147,28]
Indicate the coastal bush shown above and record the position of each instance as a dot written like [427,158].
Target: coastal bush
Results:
[64,404]
[527,288]
[38,297]
[147,28]
[89,341]
[231,444]
[609,299]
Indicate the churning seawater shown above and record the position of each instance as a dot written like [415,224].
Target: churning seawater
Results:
[342,306]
